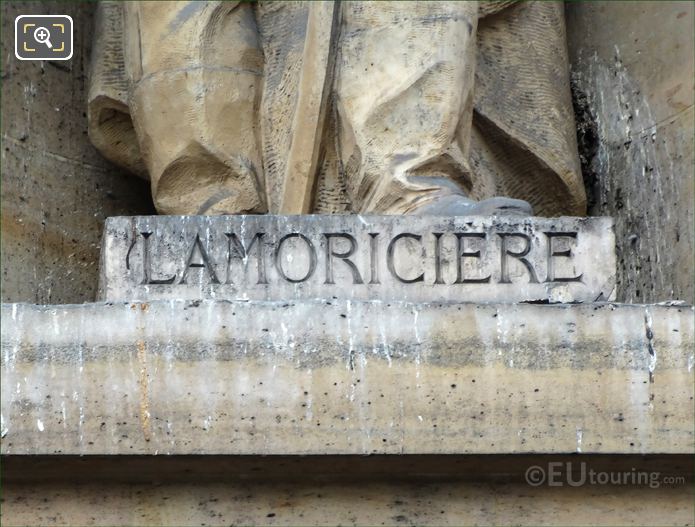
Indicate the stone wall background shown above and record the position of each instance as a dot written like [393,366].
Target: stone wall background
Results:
[632,70]
[56,189]
[632,65]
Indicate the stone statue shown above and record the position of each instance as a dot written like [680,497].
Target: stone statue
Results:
[365,107]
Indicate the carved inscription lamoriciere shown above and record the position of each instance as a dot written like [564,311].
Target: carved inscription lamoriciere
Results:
[368,258]
[253,251]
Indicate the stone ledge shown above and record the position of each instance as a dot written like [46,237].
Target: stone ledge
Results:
[317,377]
[493,468]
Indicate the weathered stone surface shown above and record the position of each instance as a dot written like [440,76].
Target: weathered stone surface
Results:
[346,377]
[56,189]
[471,259]
[326,503]
[633,67]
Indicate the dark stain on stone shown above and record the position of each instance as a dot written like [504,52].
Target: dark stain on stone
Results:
[587,141]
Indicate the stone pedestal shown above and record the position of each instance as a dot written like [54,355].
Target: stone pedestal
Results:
[346,377]
[319,361]
[413,258]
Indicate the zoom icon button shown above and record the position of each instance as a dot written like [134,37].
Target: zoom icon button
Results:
[43,37]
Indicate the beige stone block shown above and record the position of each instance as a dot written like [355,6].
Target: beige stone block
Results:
[346,377]
[414,258]
[443,503]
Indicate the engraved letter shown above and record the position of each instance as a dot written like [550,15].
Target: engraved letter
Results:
[374,262]
[438,258]
[236,249]
[389,258]
[312,257]
[519,256]
[205,261]
[147,271]
[553,253]
[468,254]
[330,253]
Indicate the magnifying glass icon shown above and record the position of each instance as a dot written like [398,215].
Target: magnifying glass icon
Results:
[42,36]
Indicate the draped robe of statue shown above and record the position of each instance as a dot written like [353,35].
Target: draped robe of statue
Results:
[364,107]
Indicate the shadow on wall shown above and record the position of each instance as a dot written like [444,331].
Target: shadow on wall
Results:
[632,80]
[56,189]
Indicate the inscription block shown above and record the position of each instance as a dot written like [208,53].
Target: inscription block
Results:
[390,258]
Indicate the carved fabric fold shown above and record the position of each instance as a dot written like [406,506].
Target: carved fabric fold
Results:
[210,111]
